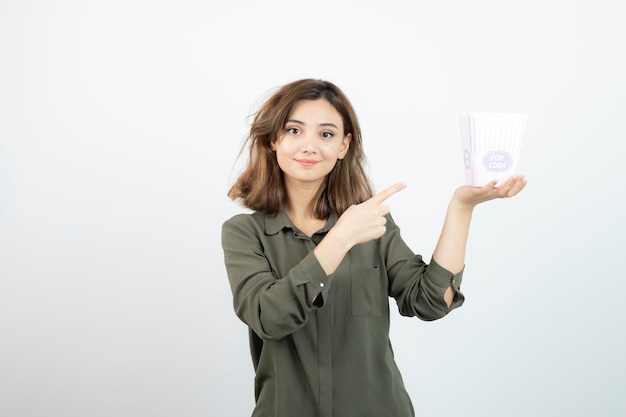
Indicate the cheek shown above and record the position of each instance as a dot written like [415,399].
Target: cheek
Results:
[283,157]
[331,149]
[280,158]
[284,146]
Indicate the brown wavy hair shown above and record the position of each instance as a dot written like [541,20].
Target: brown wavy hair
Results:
[261,186]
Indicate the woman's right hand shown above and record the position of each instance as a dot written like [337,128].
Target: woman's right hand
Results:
[363,222]
[360,223]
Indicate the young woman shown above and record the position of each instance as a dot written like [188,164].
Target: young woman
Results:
[313,266]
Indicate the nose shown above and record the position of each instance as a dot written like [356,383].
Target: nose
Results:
[308,145]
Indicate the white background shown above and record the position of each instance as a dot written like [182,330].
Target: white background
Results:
[120,124]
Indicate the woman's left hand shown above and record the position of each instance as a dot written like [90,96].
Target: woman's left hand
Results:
[471,196]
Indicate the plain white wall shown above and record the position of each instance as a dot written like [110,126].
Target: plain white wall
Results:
[120,123]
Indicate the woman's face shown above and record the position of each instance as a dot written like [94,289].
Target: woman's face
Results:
[311,142]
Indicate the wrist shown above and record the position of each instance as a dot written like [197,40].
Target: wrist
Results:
[460,206]
[338,240]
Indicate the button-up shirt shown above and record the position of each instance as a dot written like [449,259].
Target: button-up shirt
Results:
[331,356]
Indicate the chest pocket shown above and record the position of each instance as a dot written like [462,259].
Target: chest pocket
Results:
[366,291]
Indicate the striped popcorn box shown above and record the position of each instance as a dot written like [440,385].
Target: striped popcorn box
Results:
[492,144]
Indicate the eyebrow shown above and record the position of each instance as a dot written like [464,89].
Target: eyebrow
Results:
[327,124]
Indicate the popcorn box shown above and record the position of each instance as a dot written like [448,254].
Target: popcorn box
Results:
[492,144]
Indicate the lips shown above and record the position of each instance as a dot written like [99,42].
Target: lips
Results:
[307,162]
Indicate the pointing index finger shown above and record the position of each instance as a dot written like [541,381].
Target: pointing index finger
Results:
[388,192]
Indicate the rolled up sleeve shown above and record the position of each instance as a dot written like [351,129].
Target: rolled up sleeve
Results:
[417,286]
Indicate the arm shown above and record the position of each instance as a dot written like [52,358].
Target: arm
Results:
[358,224]
[272,306]
[417,287]
[450,249]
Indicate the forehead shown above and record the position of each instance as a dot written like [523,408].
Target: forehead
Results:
[315,112]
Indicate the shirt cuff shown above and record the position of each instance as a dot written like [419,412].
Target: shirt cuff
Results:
[444,278]
[316,279]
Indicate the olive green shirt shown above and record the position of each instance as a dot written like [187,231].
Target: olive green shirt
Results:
[332,357]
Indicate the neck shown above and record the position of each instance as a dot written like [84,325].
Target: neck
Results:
[299,199]
[301,216]
[299,209]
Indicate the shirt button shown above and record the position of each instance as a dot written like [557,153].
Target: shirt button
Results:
[322,284]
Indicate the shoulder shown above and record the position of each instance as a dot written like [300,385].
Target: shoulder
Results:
[259,223]
[392,231]
[242,230]
[391,223]
[245,220]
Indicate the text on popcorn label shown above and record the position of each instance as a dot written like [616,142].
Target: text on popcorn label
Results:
[497,161]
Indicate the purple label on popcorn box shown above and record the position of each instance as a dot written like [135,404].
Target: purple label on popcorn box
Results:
[497,161]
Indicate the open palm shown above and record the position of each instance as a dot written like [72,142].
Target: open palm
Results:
[471,196]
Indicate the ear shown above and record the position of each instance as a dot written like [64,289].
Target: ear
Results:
[345,145]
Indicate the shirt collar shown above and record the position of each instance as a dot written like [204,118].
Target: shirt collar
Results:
[274,224]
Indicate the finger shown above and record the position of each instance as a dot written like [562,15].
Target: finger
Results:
[388,192]
[490,185]
[517,186]
[501,187]
[512,186]
[514,179]
[506,189]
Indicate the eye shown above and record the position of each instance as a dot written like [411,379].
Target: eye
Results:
[327,135]
[292,130]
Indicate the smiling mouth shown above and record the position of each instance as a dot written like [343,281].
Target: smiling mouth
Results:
[306,162]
